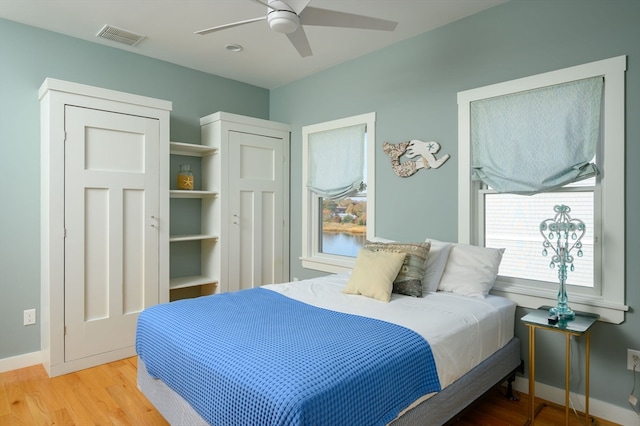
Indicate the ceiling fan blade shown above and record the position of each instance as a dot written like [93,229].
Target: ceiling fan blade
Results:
[333,18]
[299,40]
[225,26]
[264,3]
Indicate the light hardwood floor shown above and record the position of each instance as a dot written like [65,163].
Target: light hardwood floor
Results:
[103,395]
[108,395]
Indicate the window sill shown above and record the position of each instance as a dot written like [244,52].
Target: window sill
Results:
[528,297]
[334,265]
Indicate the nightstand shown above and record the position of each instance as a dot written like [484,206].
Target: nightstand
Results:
[580,326]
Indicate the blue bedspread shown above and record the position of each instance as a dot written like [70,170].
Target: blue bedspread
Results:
[256,357]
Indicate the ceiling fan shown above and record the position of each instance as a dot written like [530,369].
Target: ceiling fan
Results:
[288,17]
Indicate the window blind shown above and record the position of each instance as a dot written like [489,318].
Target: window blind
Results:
[537,140]
[336,161]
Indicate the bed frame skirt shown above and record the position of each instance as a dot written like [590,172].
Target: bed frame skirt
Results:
[436,410]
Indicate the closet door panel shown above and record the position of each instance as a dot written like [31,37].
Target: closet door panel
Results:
[111,244]
[256,191]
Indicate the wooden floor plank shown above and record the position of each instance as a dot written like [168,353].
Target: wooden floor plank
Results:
[71,391]
[61,418]
[108,395]
[38,408]
[16,391]
[98,380]
[5,406]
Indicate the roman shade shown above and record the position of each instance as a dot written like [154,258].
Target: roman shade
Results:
[537,140]
[336,161]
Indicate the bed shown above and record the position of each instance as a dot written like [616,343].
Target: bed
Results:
[402,361]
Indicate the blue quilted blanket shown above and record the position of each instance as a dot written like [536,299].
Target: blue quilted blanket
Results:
[256,357]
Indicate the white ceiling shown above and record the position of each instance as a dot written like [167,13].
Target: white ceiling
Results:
[267,60]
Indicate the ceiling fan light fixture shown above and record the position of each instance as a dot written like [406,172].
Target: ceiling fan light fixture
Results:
[283,21]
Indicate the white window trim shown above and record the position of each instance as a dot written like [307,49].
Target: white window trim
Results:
[311,258]
[610,304]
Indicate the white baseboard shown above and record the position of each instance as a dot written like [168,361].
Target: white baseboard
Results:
[597,408]
[20,361]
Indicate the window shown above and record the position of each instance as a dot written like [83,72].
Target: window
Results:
[512,222]
[488,218]
[337,211]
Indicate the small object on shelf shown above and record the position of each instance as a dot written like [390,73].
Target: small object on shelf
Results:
[185,177]
[553,319]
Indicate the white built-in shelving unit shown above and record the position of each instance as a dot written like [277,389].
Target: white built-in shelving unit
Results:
[205,281]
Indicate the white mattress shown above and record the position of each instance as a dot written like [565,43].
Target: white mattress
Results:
[462,331]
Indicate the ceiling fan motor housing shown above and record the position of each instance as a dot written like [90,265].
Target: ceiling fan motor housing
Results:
[283,21]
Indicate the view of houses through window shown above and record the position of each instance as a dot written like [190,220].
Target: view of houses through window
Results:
[344,225]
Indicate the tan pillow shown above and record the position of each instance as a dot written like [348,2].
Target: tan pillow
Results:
[373,274]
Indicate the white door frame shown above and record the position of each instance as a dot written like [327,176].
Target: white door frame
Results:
[54,95]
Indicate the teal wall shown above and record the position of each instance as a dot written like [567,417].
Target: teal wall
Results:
[412,87]
[28,56]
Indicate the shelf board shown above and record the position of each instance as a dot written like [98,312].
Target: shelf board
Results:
[180,193]
[190,149]
[192,281]
[192,237]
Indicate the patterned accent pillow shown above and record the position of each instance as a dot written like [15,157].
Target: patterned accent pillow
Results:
[409,279]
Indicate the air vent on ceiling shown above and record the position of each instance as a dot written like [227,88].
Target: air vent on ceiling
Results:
[119,35]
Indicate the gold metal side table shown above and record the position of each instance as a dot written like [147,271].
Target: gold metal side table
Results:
[580,326]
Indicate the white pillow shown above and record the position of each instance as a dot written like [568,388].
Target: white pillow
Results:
[373,274]
[471,270]
[436,261]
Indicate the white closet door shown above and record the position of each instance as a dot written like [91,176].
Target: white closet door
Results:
[256,209]
[111,244]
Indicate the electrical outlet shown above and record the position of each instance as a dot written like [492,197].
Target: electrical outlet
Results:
[631,354]
[29,316]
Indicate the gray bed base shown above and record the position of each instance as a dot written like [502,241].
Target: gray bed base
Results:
[437,410]
[455,398]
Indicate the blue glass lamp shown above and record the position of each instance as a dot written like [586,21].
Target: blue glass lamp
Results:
[562,235]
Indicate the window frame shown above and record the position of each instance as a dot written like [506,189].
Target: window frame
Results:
[609,200]
[311,258]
